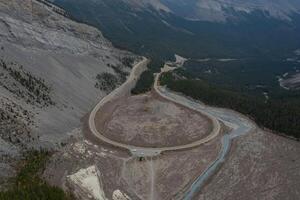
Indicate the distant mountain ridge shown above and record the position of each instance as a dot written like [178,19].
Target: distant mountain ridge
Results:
[218,10]
[194,28]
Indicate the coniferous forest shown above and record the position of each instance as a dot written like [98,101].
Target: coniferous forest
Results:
[282,115]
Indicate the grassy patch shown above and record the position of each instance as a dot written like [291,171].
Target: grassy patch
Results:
[28,185]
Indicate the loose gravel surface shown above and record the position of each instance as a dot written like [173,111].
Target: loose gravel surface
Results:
[150,121]
[161,177]
[260,165]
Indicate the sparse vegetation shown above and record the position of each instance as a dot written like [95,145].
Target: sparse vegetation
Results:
[28,185]
[122,75]
[106,81]
[37,90]
[15,123]
[55,8]
[12,129]
[128,61]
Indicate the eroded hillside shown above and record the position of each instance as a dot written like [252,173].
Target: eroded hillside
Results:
[50,71]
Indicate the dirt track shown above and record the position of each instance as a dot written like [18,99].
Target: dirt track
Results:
[141,151]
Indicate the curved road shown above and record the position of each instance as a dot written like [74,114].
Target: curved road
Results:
[125,90]
[239,124]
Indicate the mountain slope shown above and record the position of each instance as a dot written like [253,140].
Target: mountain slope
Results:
[218,10]
[217,29]
[48,73]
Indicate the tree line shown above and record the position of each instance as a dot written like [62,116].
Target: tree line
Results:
[280,115]
[146,80]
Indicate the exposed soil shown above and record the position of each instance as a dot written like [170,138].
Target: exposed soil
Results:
[150,121]
[260,165]
[161,177]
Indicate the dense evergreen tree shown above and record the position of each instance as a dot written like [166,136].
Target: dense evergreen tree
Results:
[146,80]
[279,115]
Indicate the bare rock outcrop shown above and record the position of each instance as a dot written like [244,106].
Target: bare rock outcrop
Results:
[48,74]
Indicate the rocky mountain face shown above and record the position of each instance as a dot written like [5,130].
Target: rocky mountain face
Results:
[195,28]
[51,70]
[215,10]
[221,10]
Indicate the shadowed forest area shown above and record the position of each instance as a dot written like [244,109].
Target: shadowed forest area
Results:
[281,115]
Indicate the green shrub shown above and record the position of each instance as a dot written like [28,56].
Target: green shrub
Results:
[28,185]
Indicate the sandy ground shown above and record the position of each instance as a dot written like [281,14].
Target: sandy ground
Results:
[262,166]
[150,121]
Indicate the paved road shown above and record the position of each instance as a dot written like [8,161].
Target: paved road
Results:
[239,124]
[145,151]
